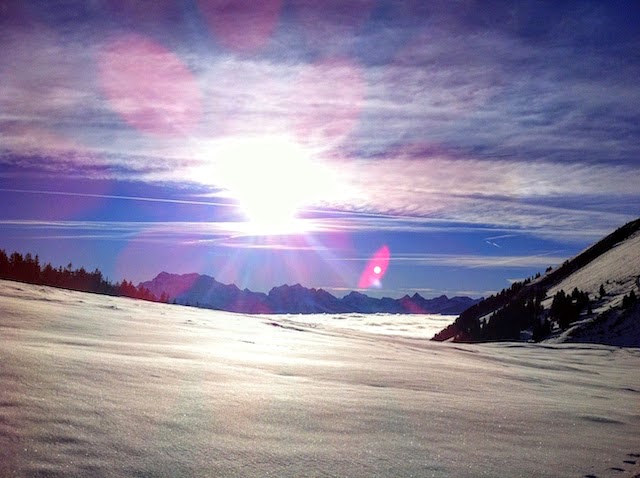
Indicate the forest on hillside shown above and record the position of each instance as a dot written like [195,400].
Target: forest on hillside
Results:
[28,269]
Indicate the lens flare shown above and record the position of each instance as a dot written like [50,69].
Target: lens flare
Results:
[376,269]
[149,86]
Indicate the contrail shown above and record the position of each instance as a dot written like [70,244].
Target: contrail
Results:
[113,196]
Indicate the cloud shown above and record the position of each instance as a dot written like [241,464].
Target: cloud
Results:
[114,196]
[43,77]
[430,116]
[475,261]
[509,194]
[131,231]
[497,93]
[495,218]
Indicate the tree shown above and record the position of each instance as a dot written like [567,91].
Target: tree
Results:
[4,263]
[629,301]
[126,289]
[49,275]
[566,309]
[541,330]
[16,266]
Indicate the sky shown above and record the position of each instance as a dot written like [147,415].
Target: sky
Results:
[390,147]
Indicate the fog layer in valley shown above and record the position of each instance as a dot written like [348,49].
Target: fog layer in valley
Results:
[101,386]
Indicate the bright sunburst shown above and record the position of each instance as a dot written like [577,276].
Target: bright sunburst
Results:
[272,178]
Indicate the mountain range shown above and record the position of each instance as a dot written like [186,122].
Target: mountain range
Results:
[592,297]
[204,291]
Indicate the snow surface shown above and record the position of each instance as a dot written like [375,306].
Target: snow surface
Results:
[618,270]
[423,326]
[112,387]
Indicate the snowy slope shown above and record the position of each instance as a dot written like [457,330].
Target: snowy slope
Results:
[617,269]
[112,387]
[613,263]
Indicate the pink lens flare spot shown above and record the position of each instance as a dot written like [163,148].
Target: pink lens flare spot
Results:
[376,269]
[149,86]
[327,98]
[243,26]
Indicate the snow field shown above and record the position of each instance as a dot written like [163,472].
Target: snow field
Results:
[103,386]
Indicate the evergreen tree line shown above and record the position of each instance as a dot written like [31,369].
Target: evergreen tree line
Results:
[566,309]
[522,312]
[467,328]
[28,269]
[519,308]
[526,312]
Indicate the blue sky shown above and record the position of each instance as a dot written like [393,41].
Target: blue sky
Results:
[479,141]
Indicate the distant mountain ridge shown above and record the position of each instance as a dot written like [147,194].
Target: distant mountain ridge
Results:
[204,291]
[592,298]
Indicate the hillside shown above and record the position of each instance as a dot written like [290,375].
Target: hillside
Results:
[590,298]
[204,291]
[102,386]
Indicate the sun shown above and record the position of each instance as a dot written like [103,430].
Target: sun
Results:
[272,179]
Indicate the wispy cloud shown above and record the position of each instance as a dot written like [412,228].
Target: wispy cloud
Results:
[474,261]
[497,218]
[428,116]
[156,231]
[118,197]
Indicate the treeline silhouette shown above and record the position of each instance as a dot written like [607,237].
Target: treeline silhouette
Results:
[512,309]
[28,269]
[523,312]
[516,309]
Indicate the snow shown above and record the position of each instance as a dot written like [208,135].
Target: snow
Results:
[423,326]
[618,270]
[104,386]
